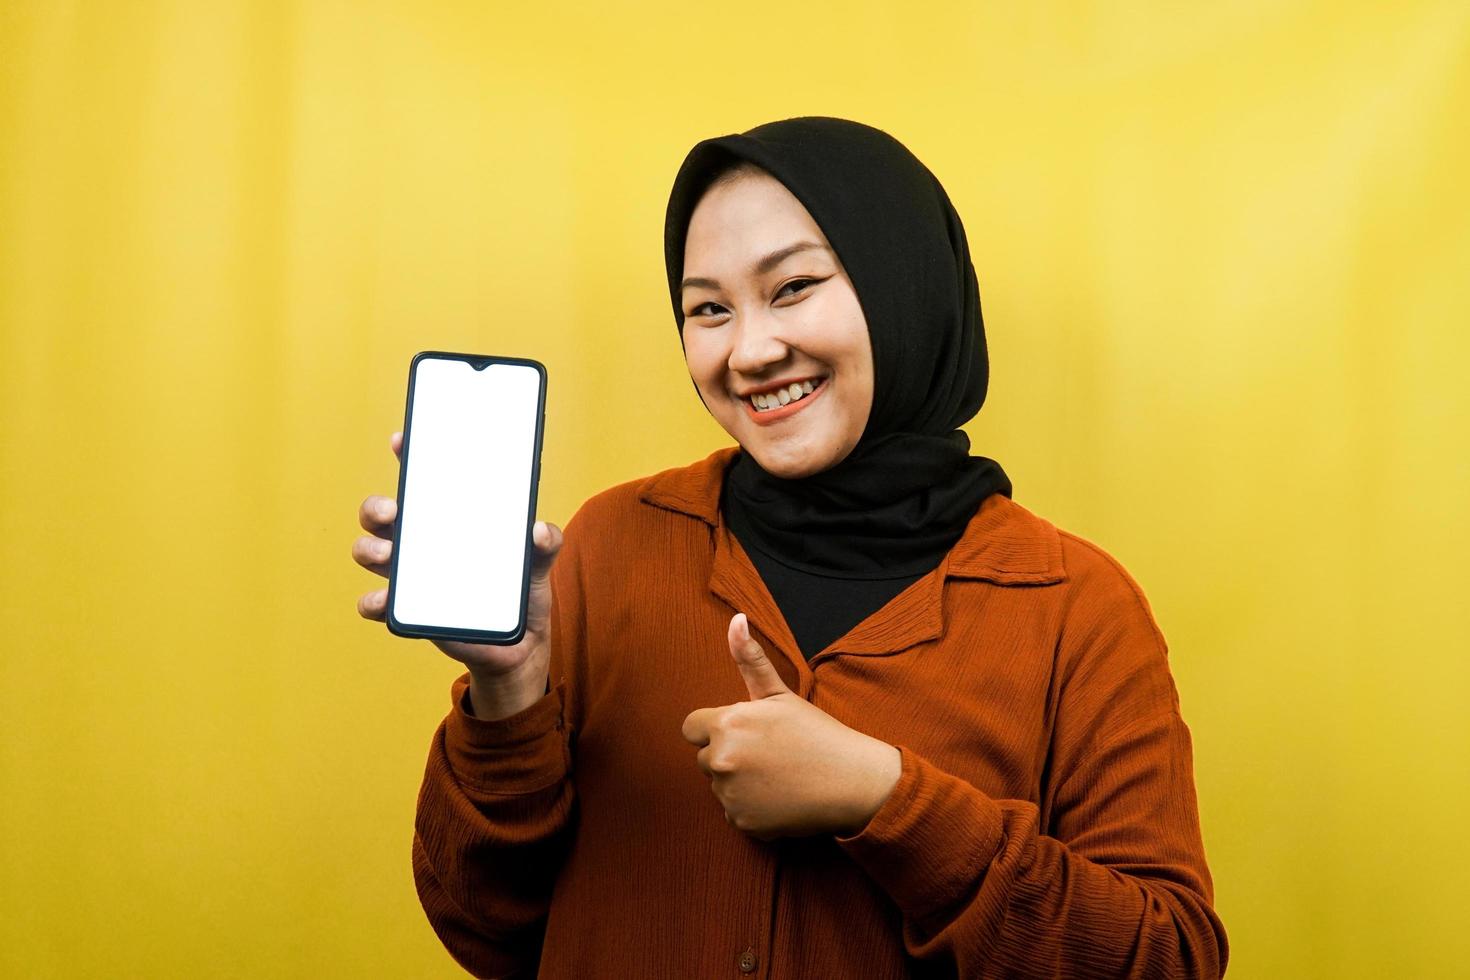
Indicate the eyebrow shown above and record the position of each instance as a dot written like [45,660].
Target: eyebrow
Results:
[761,268]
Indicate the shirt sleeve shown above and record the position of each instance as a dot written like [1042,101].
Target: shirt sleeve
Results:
[1116,884]
[496,808]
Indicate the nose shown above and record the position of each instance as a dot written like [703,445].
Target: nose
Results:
[756,345]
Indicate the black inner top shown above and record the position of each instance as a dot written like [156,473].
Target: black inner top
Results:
[818,608]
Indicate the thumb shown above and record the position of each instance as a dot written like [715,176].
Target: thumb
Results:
[761,679]
[546,540]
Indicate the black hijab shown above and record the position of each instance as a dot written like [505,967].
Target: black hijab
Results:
[893,506]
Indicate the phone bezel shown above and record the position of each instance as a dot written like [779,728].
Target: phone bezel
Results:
[416,631]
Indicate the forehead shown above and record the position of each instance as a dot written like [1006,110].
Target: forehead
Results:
[753,212]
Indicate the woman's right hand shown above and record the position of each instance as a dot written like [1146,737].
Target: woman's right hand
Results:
[497,672]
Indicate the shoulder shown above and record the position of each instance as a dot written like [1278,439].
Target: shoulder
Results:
[1099,580]
[1110,641]
[1008,544]
[639,509]
[1104,628]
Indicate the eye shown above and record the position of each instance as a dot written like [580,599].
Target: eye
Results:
[797,285]
[803,283]
[697,310]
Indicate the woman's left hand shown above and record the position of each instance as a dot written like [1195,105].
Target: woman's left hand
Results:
[781,766]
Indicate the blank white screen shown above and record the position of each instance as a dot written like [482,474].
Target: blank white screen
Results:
[466,497]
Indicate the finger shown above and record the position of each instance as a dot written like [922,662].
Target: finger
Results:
[547,539]
[761,679]
[697,725]
[372,553]
[713,763]
[373,605]
[396,441]
[377,514]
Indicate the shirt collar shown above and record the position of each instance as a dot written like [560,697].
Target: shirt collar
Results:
[1004,542]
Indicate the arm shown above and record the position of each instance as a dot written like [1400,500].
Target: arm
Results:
[1116,884]
[496,809]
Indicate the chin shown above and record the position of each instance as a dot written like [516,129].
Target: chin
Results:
[795,464]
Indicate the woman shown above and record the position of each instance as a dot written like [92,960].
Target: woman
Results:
[828,703]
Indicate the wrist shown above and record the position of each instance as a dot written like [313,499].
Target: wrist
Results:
[883,774]
[495,695]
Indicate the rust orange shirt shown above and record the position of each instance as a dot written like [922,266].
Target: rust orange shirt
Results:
[1044,823]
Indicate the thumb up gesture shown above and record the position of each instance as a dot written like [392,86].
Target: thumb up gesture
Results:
[779,765]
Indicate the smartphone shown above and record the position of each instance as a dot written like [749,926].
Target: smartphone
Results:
[468,471]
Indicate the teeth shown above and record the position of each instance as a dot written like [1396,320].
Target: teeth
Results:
[782,396]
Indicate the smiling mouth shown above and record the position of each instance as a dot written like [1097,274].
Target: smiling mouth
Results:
[772,408]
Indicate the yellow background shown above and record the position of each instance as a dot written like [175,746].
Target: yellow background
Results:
[1223,252]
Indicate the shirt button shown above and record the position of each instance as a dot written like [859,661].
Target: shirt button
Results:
[747,961]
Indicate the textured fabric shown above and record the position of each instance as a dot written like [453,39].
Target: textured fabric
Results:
[1044,823]
[903,495]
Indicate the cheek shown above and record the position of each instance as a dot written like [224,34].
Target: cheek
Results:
[843,341]
[857,348]
[706,363]
[698,355]
[852,355]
